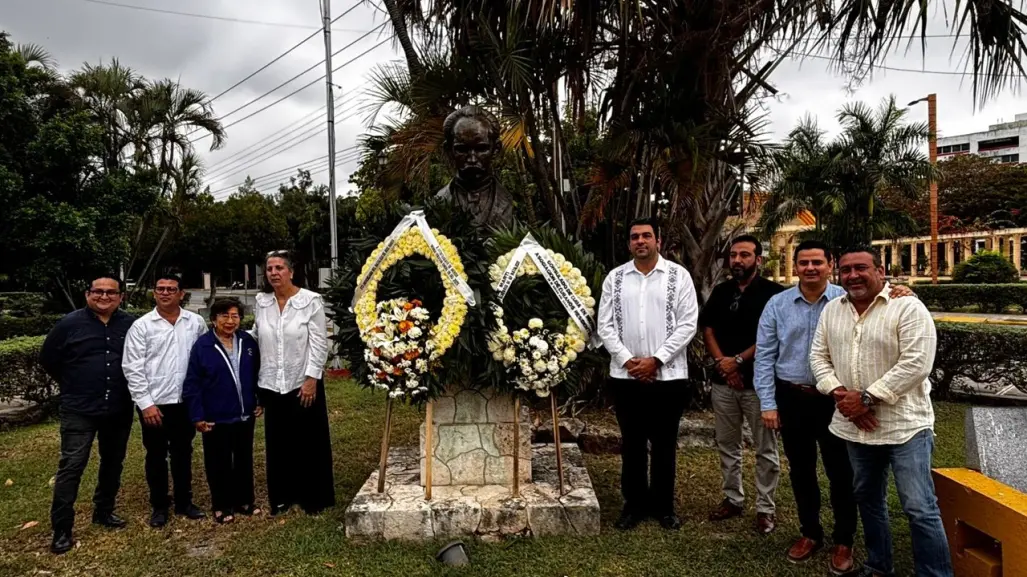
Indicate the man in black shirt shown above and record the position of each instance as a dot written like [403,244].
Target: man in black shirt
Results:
[730,320]
[83,354]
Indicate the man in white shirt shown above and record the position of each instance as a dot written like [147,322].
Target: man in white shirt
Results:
[873,354]
[647,316]
[155,360]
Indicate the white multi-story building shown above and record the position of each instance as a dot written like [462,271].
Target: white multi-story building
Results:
[1005,142]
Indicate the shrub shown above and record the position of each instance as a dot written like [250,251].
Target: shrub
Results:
[995,298]
[986,354]
[33,326]
[985,267]
[23,376]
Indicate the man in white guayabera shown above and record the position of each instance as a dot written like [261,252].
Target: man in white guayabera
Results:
[647,315]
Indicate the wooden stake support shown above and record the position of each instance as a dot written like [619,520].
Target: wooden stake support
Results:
[556,439]
[517,447]
[429,452]
[385,446]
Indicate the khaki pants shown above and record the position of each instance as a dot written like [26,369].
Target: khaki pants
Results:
[730,406]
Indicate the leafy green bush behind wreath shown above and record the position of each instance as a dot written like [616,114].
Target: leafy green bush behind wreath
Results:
[988,298]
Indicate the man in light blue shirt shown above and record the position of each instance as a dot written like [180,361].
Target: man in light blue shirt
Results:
[790,402]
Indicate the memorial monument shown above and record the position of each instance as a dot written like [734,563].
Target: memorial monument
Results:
[473,431]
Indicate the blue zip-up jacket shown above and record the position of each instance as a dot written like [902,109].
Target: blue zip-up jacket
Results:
[209,390]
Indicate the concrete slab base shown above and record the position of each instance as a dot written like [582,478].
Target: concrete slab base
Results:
[485,511]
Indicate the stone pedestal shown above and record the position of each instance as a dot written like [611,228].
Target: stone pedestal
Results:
[484,511]
[473,440]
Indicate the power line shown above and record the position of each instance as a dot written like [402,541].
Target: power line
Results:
[321,168]
[291,94]
[265,179]
[275,173]
[210,16]
[275,147]
[793,54]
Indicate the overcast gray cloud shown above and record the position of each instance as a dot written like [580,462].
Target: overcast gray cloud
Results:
[212,55]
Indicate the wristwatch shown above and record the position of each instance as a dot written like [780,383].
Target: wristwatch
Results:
[739,360]
[867,399]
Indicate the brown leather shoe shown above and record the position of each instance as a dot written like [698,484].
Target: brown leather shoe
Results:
[841,560]
[803,549]
[725,510]
[765,523]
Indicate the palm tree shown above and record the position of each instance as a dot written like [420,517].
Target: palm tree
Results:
[109,91]
[842,182]
[34,54]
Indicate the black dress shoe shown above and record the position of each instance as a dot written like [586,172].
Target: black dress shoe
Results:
[109,520]
[158,518]
[191,512]
[62,543]
[670,522]
[628,521]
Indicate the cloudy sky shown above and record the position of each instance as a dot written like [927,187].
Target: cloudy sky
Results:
[213,54]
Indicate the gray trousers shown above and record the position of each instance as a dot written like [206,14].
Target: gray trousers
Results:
[730,406]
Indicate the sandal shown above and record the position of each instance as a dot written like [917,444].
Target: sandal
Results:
[250,510]
[223,517]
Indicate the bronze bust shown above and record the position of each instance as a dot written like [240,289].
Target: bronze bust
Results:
[471,141]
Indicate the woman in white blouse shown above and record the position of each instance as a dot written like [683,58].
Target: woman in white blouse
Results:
[291,331]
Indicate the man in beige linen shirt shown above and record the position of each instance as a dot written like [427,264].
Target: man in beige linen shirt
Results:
[873,354]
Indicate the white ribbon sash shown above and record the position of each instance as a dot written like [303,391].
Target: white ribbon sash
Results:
[551,273]
[446,268]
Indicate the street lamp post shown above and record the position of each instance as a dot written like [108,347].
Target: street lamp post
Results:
[932,148]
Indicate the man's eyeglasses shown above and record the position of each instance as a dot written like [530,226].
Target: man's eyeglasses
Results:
[166,290]
[100,292]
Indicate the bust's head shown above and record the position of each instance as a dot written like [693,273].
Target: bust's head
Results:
[472,142]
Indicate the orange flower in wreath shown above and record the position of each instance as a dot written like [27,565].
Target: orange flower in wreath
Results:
[405,326]
[411,355]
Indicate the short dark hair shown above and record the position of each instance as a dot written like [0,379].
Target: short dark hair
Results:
[646,222]
[867,249]
[173,276]
[813,245]
[225,304]
[749,238]
[111,276]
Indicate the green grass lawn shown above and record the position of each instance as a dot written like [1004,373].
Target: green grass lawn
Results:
[305,546]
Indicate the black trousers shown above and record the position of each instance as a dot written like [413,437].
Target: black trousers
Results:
[299,451]
[228,461]
[805,416]
[174,439]
[77,434]
[649,415]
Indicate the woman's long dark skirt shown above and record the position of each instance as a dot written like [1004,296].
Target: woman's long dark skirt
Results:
[299,452]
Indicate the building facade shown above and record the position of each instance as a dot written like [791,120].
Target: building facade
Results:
[1005,142]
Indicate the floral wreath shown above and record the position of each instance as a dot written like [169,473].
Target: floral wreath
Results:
[542,358]
[454,308]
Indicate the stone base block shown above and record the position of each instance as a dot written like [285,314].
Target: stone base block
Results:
[486,511]
[476,454]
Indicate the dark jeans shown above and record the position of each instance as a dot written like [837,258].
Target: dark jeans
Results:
[911,464]
[77,434]
[805,416]
[299,451]
[173,438]
[228,460]
[649,415]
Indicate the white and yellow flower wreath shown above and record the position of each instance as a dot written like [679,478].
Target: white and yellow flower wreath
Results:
[454,307]
[573,337]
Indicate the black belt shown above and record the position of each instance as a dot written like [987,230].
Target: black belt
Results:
[808,389]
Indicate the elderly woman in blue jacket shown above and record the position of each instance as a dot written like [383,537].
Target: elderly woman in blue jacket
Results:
[220,391]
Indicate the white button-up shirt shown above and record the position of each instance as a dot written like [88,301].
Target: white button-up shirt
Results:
[156,356]
[889,352]
[293,343]
[649,315]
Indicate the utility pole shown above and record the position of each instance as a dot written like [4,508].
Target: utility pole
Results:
[932,151]
[326,16]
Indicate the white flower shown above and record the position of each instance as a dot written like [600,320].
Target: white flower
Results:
[542,345]
[536,355]
[539,366]
[497,355]
[579,346]
[572,356]
[498,313]
[509,355]
[535,323]
[554,366]
[414,333]
[590,302]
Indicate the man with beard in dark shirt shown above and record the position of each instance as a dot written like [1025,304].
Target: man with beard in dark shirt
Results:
[83,354]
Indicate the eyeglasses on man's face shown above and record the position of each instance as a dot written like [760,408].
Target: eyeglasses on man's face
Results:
[101,292]
[166,290]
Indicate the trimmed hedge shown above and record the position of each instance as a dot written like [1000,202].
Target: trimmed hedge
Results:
[22,304]
[22,375]
[33,326]
[986,354]
[988,298]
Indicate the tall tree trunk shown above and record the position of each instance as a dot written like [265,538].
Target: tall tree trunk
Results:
[399,27]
